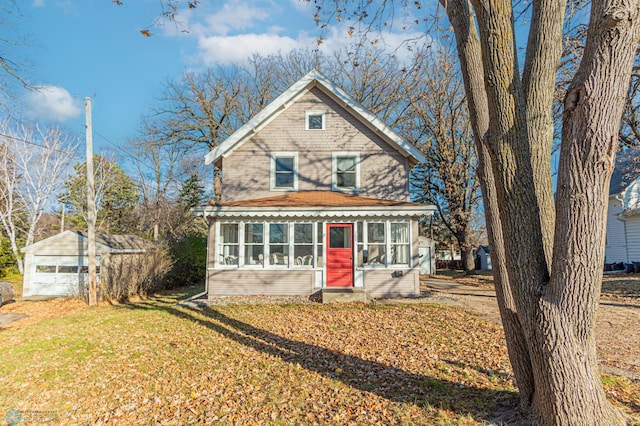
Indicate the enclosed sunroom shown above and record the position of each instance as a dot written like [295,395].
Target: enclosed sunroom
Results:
[297,244]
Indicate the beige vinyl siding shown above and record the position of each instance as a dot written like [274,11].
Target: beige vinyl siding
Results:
[616,247]
[382,283]
[383,170]
[241,282]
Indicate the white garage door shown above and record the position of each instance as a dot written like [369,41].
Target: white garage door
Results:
[59,275]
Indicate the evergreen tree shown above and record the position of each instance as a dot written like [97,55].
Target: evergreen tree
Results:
[116,198]
[192,192]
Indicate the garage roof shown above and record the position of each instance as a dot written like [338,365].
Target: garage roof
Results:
[110,243]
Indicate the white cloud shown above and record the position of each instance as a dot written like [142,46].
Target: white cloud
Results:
[302,5]
[337,37]
[239,28]
[38,3]
[234,16]
[225,50]
[52,103]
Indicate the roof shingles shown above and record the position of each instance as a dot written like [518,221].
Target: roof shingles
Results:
[315,199]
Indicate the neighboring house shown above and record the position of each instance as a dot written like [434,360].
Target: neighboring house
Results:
[623,215]
[315,195]
[483,258]
[427,252]
[58,265]
[445,254]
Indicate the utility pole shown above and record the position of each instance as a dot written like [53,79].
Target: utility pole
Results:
[91,206]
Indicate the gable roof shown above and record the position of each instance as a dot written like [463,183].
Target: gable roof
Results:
[316,199]
[110,243]
[484,248]
[291,95]
[123,243]
[626,171]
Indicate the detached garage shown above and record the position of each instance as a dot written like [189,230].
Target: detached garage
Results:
[58,265]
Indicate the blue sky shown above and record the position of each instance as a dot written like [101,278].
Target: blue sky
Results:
[79,48]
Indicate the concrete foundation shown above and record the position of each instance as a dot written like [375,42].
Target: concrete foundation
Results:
[344,294]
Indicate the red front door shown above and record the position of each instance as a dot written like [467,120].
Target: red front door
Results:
[339,255]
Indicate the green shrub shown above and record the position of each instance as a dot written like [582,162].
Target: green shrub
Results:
[189,261]
[8,264]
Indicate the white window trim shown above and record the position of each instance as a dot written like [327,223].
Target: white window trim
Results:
[389,244]
[334,170]
[244,245]
[272,178]
[387,229]
[218,244]
[323,224]
[293,246]
[320,113]
[268,244]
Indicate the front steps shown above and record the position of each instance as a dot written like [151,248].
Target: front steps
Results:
[345,294]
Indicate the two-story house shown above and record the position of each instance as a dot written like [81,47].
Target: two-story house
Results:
[315,195]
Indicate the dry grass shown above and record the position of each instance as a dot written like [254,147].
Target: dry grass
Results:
[152,362]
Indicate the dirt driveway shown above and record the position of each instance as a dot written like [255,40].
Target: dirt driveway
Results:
[617,335]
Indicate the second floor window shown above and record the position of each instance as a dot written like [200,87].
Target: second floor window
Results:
[284,173]
[346,171]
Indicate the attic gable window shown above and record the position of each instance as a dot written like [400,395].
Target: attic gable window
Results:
[284,171]
[314,120]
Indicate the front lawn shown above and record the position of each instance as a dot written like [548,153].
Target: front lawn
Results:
[154,362]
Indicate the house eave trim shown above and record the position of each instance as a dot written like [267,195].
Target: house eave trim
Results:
[319,212]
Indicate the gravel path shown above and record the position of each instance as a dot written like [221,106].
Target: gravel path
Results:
[617,335]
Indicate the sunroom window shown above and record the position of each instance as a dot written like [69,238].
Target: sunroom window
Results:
[271,245]
[303,244]
[376,243]
[319,245]
[279,244]
[254,244]
[399,243]
[229,246]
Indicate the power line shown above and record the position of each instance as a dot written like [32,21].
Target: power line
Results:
[140,183]
[126,154]
[38,145]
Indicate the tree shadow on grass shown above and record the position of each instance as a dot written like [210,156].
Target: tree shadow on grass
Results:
[391,383]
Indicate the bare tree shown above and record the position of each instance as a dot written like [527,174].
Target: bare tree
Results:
[162,167]
[33,163]
[11,70]
[547,261]
[440,126]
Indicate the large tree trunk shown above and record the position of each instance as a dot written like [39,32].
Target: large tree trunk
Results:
[544,49]
[548,317]
[469,53]
[468,260]
[567,373]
